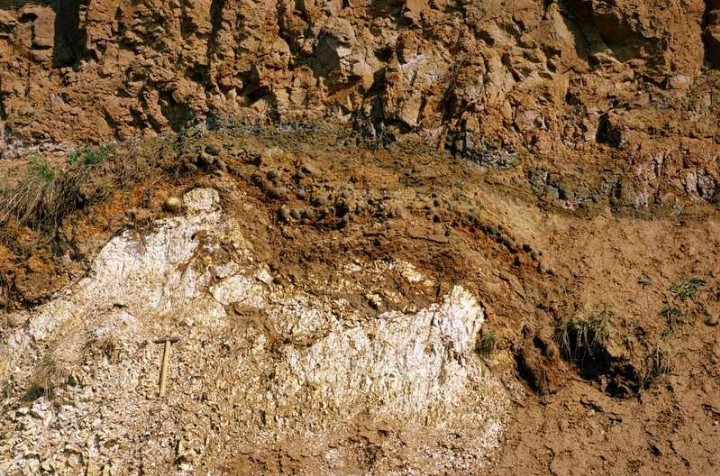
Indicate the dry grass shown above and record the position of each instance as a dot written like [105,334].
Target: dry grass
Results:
[487,343]
[44,195]
[106,345]
[581,339]
[657,364]
[50,374]
[47,192]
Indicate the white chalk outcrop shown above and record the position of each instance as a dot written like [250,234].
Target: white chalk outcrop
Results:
[260,365]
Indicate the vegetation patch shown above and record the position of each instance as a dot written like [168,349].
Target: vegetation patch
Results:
[657,365]
[89,155]
[585,343]
[487,343]
[582,341]
[687,288]
[49,375]
[46,192]
[40,197]
[673,315]
[677,310]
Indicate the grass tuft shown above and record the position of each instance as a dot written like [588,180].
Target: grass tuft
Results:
[673,315]
[47,193]
[687,288]
[37,196]
[49,376]
[107,345]
[89,155]
[657,364]
[581,339]
[487,343]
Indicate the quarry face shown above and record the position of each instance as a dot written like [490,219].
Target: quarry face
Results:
[265,365]
[359,237]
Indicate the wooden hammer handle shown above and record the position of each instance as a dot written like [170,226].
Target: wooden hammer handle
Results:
[164,368]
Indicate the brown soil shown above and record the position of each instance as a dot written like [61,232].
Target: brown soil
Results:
[313,196]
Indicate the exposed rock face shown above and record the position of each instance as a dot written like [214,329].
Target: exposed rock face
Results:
[263,364]
[492,79]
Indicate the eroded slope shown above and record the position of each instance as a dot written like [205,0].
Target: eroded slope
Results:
[349,253]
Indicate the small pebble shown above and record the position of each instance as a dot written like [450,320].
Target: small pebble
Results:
[399,212]
[284,214]
[276,192]
[318,201]
[509,243]
[308,169]
[173,205]
[711,321]
[205,161]
[212,149]
[342,208]
[374,300]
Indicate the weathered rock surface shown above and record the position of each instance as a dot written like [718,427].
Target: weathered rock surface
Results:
[492,80]
[264,365]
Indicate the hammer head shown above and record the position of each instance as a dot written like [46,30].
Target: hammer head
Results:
[171,339]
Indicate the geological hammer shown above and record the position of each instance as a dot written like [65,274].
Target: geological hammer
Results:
[165,361]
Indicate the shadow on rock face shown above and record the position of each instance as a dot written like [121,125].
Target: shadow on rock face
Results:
[69,36]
